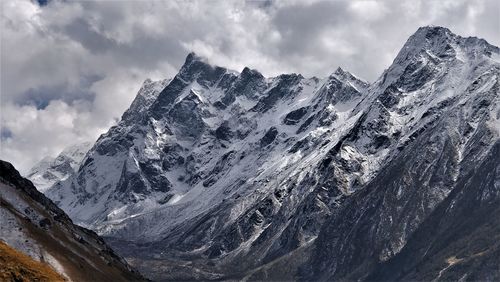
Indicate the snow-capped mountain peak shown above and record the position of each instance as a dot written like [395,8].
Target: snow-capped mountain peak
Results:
[344,75]
[148,93]
[51,170]
[238,170]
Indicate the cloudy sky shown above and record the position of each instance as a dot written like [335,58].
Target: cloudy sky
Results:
[69,69]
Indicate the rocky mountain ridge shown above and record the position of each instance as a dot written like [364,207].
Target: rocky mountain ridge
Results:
[220,174]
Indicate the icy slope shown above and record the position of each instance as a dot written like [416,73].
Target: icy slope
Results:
[440,190]
[51,170]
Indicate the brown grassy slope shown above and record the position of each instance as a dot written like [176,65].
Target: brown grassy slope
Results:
[83,255]
[16,266]
[81,262]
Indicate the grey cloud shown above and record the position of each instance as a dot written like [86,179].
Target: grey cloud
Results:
[81,31]
[301,25]
[265,4]
[41,96]
[148,52]
[79,64]
[5,133]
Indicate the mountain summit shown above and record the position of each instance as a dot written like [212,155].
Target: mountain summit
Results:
[52,170]
[227,175]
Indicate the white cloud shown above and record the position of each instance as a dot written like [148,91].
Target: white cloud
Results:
[37,133]
[368,10]
[81,63]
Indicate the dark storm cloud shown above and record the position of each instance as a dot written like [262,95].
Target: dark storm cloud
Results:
[5,133]
[42,2]
[40,97]
[81,31]
[263,4]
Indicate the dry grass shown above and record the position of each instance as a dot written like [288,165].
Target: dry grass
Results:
[16,266]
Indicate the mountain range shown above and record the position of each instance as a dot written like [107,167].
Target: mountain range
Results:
[218,174]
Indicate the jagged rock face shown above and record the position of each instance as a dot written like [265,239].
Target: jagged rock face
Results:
[146,97]
[241,174]
[33,225]
[396,227]
[467,225]
[201,139]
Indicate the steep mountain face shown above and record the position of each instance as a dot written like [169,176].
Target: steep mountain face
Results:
[209,124]
[224,175]
[30,224]
[52,170]
[442,94]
